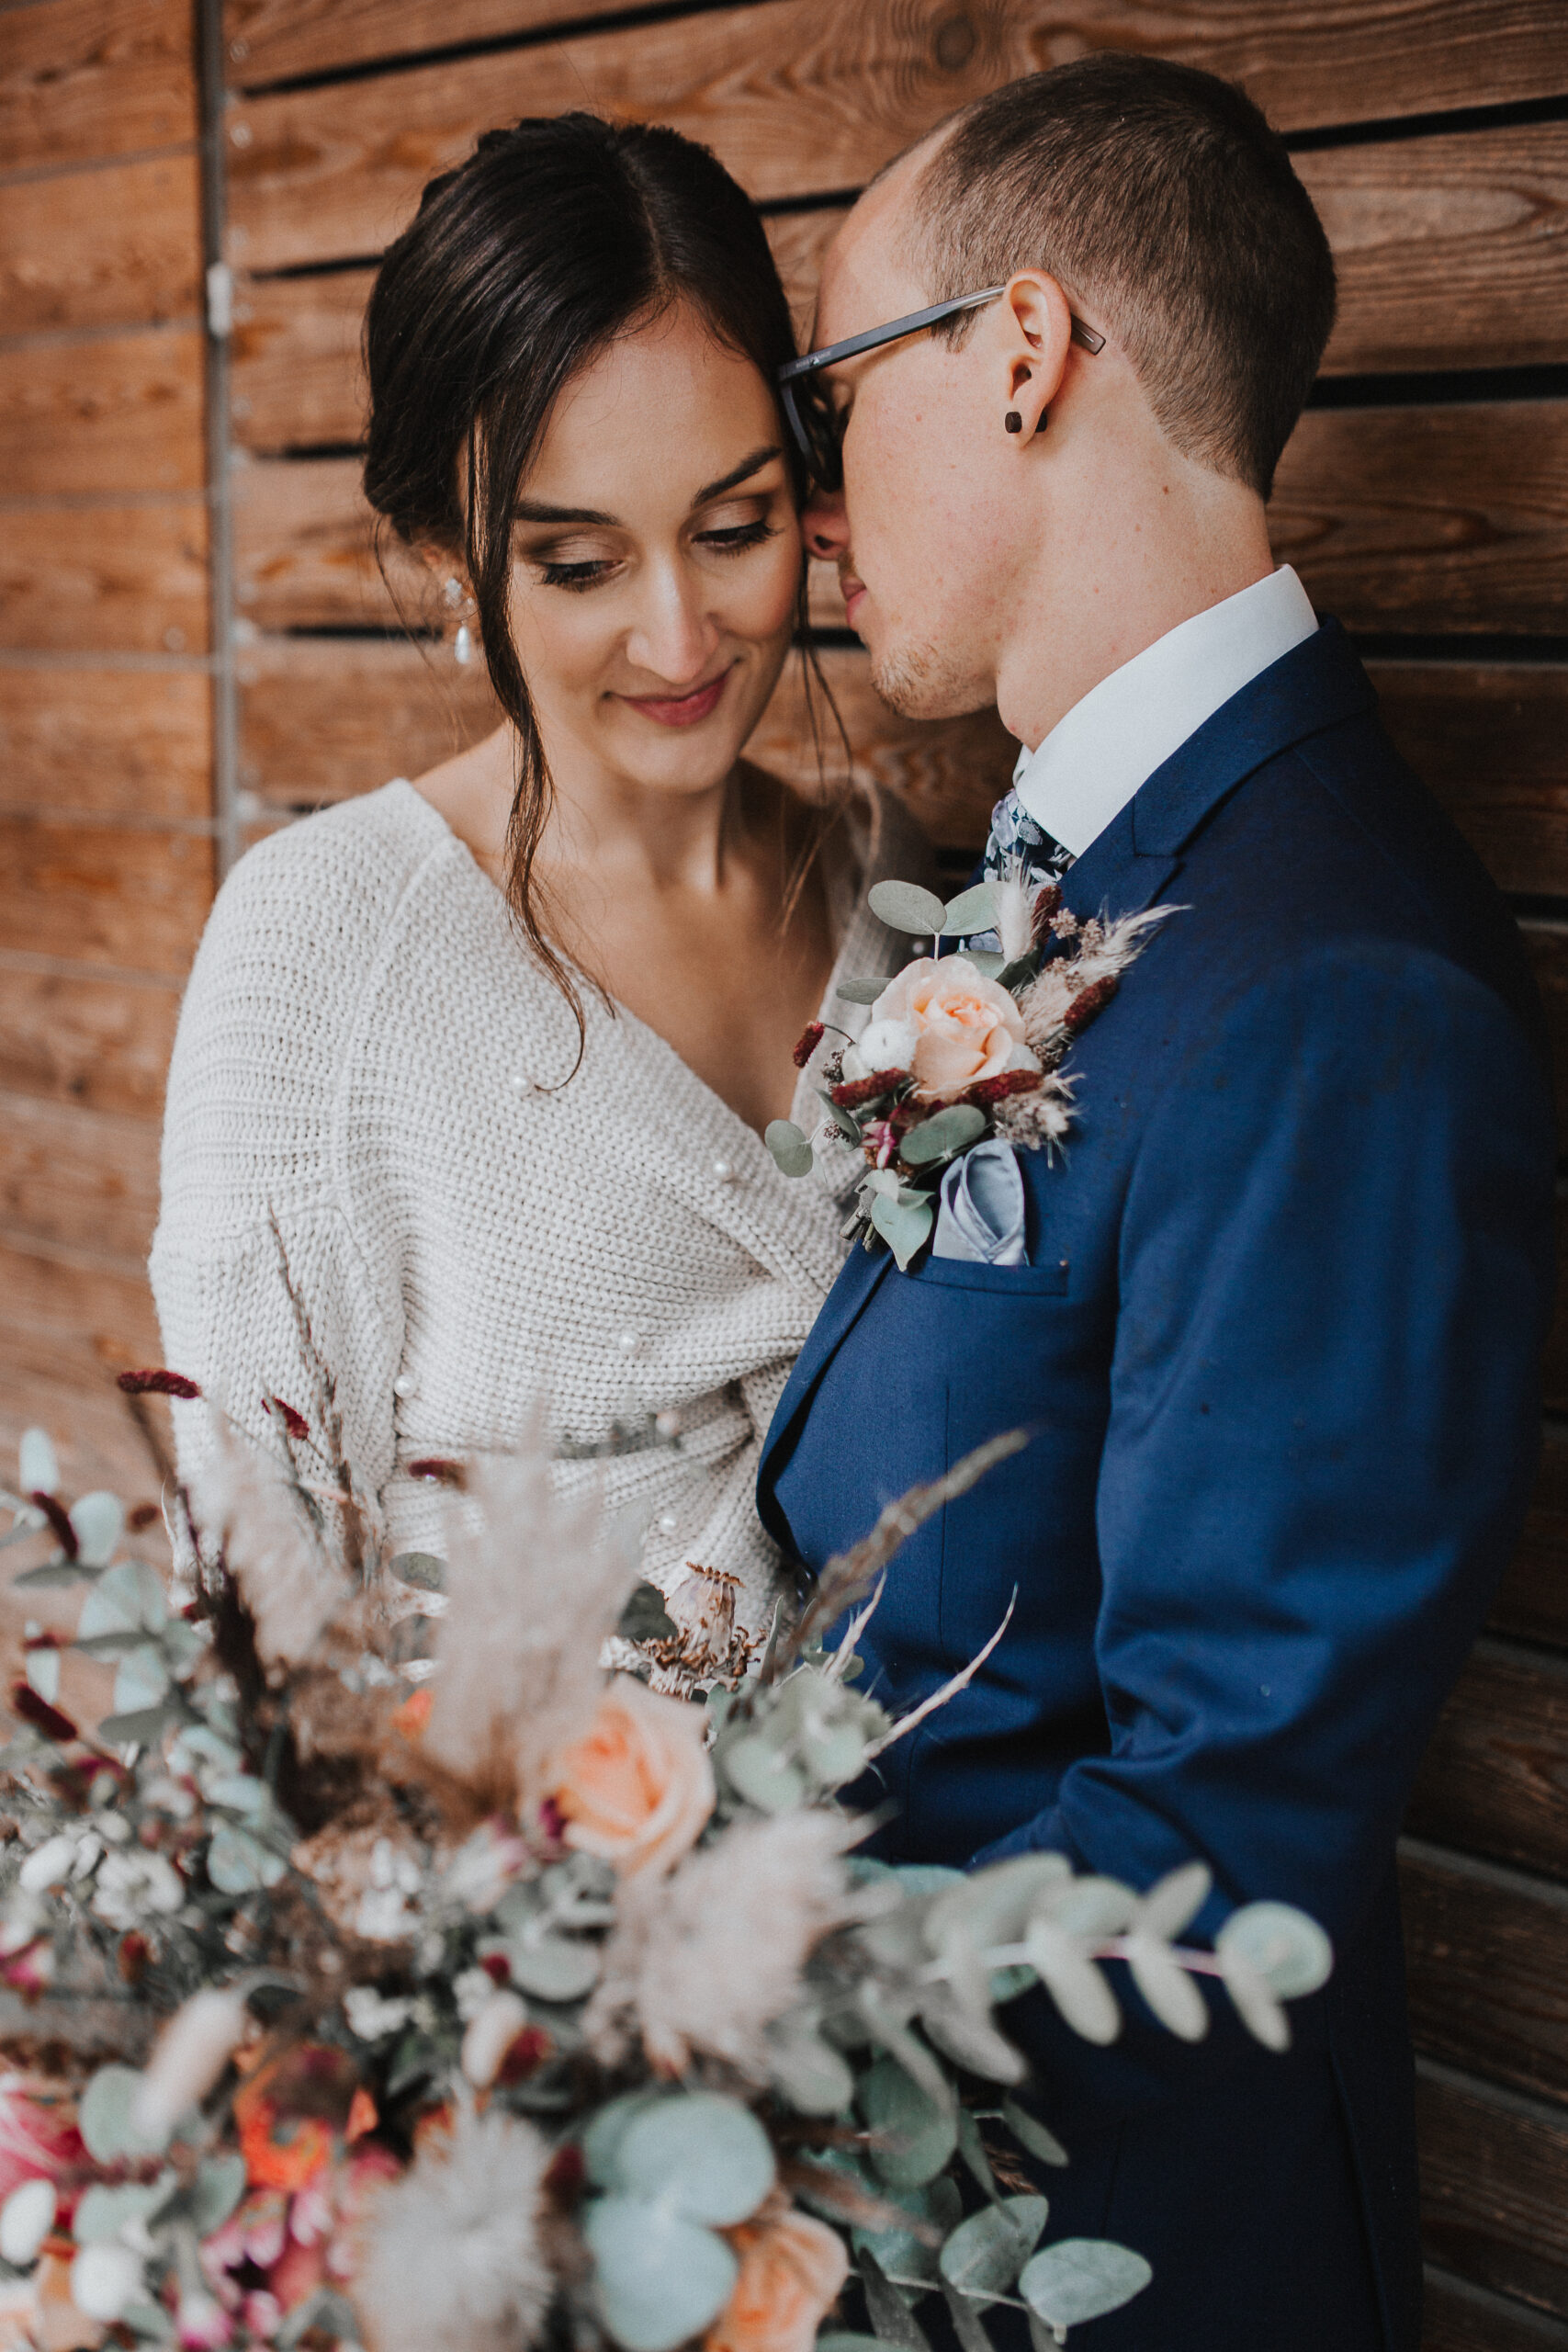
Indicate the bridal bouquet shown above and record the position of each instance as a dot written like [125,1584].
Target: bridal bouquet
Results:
[959,1047]
[389,1969]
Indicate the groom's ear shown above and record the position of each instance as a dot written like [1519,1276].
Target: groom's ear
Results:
[1030,336]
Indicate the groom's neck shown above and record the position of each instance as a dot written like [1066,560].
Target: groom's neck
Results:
[1135,546]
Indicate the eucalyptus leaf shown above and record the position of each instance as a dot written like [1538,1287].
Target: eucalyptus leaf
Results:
[237,1862]
[1012,976]
[143,1680]
[986,962]
[905,1230]
[1255,2005]
[1175,1902]
[984,2254]
[968,2324]
[553,1968]
[219,2186]
[842,2339]
[1288,1949]
[839,1121]
[909,2250]
[890,2315]
[658,2279]
[1074,1982]
[53,1573]
[1166,1987]
[1032,2134]
[327,2311]
[972,2043]
[812,2075]
[43,1674]
[102,2213]
[139,1729]
[973,909]
[913,2136]
[1091,1907]
[1082,2279]
[125,1599]
[861,991]
[38,1471]
[904,906]
[104,2117]
[792,1155]
[759,1773]
[942,1135]
[98,1522]
[423,1570]
[705,2156]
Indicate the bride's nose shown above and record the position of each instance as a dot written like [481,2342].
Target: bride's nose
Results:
[825,525]
[674,635]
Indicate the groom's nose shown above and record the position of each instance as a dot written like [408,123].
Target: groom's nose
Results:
[825,525]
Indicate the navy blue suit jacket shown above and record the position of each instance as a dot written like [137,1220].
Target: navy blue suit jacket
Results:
[1277,1345]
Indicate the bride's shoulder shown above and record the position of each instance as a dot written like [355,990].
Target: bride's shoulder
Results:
[327,882]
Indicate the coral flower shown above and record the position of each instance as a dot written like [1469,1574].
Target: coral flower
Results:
[291,2115]
[792,2269]
[639,1789]
[963,1026]
[39,2139]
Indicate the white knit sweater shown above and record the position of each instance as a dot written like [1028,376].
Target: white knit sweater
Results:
[356,1065]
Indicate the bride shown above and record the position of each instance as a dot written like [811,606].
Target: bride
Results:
[468,1097]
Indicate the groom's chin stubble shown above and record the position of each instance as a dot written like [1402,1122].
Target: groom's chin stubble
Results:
[918,683]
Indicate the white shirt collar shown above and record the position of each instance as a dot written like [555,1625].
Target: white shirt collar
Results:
[1094,760]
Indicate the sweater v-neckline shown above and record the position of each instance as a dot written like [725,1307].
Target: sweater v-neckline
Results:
[842,919]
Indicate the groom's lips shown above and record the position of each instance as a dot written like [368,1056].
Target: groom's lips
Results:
[854,590]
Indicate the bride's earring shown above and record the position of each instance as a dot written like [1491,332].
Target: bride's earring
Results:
[463,643]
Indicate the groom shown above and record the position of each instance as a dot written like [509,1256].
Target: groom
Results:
[1275,1335]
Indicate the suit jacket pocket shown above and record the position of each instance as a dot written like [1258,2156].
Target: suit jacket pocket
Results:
[1049,1281]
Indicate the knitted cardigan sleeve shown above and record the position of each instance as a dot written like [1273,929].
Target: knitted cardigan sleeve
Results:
[263,1285]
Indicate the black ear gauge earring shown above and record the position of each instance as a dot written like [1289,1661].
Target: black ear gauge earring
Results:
[1013,422]
[1045,420]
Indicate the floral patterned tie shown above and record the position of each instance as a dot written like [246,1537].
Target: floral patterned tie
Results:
[1018,844]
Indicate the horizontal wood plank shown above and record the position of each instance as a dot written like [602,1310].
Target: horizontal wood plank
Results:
[85,1177]
[74,1036]
[1449,251]
[110,413]
[1485,1951]
[1533,1600]
[102,894]
[1460,2317]
[108,742]
[113,248]
[1494,2190]
[1429,518]
[85,78]
[114,579]
[73,1321]
[304,555]
[1495,1779]
[322,721]
[1491,740]
[295,377]
[797,96]
[275,40]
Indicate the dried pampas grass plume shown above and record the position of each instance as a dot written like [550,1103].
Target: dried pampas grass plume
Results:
[705,1961]
[270,1547]
[535,1585]
[450,2258]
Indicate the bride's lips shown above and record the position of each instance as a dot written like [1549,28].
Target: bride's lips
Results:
[681,710]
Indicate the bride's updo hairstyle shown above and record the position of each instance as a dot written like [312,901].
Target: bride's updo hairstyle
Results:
[520,267]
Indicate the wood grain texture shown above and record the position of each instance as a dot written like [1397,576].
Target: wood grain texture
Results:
[110,413]
[1487,1962]
[107,742]
[1494,2190]
[274,41]
[1429,518]
[1491,740]
[73,1319]
[1462,2318]
[798,96]
[294,358]
[1449,251]
[303,553]
[130,578]
[1533,1600]
[319,722]
[85,78]
[115,248]
[1495,1779]
[101,894]
[85,1177]
[73,1037]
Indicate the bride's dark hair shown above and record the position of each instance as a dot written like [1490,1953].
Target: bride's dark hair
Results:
[519,268]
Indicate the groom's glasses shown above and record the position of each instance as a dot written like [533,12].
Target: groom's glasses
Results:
[818,426]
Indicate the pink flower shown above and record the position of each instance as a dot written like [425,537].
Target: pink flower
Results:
[965,1027]
[29,1970]
[39,2139]
[639,1790]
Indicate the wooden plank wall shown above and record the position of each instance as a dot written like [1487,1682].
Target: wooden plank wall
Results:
[106,730]
[1425,499]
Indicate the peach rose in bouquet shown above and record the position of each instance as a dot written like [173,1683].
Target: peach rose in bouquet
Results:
[947,1024]
[637,1791]
[792,2269]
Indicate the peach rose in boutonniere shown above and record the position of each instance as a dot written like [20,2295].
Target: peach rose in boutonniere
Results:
[947,1024]
[791,2271]
[639,1790]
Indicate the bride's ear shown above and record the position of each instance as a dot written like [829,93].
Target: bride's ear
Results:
[1031,334]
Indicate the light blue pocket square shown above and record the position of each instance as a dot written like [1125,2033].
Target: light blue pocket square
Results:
[981,1216]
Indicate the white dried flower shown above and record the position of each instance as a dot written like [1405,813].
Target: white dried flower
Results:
[471,1990]
[26,2220]
[286,1579]
[48,1866]
[131,1885]
[1014,895]
[492,2030]
[886,1044]
[372,2017]
[191,2054]
[451,2255]
[705,1961]
[104,2279]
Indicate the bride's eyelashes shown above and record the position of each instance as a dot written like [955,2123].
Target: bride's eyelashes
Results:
[589,572]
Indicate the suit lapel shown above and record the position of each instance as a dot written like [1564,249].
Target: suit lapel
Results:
[841,1309]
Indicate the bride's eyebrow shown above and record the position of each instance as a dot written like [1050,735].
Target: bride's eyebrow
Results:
[538,510]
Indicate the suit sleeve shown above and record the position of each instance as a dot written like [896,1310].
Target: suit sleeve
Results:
[1334,1275]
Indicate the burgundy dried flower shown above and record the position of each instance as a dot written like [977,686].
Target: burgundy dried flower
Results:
[1090,1002]
[63,1533]
[134,1957]
[525,2053]
[142,1516]
[497,1967]
[858,1090]
[986,1091]
[157,1383]
[811,1037]
[443,1473]
[26,1702]
[1047,906]
[295,1423]
[567,2172]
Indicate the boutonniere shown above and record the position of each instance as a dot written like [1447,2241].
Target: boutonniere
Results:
[961,1047]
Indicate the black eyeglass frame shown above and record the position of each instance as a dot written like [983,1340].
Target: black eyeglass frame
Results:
[818,453]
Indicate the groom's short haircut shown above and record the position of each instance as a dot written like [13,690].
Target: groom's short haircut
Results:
[1165,205]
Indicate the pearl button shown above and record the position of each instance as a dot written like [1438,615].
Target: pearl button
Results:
[667,1522]
[628,1343]
[404,1385]
[668,1423]
[723,1173]
[520,1082]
